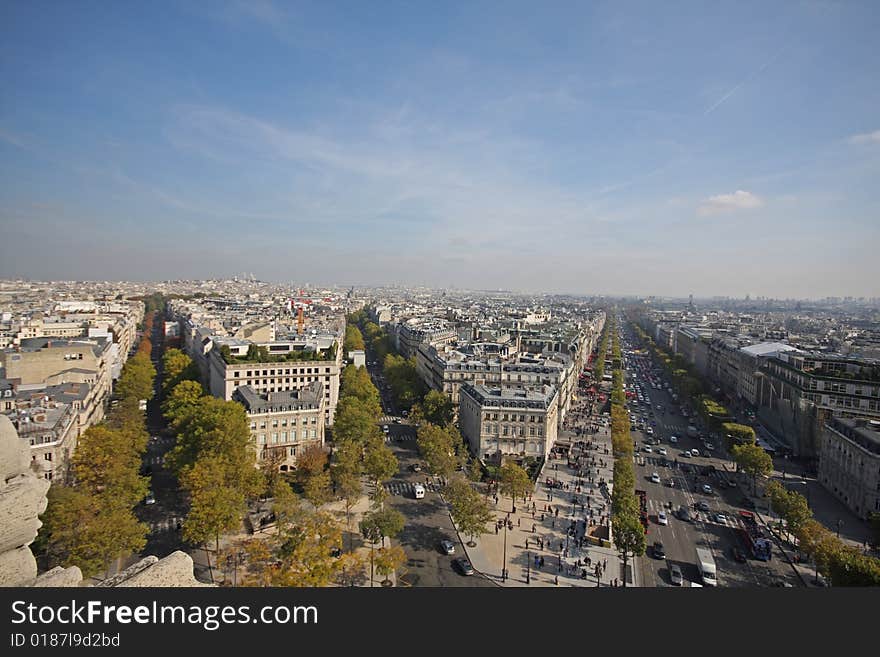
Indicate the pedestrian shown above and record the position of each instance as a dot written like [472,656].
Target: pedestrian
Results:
[604,564]
[496,527]
[527,544]
[542,517]
[556,580]
[517,522]
[533,528]
[542,558]
[556,511]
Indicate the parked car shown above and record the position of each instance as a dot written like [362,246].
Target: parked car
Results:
[655,478]
[150,498]
[464,566]
[673,439]
[662,451]
[416,467]
[662,519]
[738,555]
[447,546]
[675,576]
[684,514]
[707,489]
[702,505]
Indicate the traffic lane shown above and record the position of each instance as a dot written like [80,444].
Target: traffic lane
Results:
[427,522]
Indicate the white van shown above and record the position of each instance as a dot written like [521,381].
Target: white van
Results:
[418,491]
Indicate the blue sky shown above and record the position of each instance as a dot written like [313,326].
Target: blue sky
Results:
[621,147]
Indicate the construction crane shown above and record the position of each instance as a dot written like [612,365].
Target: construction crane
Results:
[300,321]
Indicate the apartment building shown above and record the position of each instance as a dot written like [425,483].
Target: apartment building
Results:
[849,463]
[799,391]
[499,422]
[284,424]
[50,419]
[289,367]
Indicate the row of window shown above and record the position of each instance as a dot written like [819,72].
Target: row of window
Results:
[282,372]
[512,417]
[506,430]
[283,437]
[283,422]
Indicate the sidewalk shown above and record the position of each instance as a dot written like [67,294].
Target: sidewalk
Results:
[561,509]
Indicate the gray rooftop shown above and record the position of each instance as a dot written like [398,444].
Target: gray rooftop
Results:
[308,398]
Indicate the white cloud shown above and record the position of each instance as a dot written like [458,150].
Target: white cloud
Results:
[739,200]
[866,138]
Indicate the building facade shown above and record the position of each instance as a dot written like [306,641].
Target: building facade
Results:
[849,463]
[284,424]
[498,422]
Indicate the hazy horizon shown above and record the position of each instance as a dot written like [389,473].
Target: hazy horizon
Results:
[720,150]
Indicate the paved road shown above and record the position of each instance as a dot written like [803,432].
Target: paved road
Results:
[427,521]
[679,538]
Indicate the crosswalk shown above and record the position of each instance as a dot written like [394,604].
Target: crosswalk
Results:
[164,525]
[155,460]
[405,488]
[388,419]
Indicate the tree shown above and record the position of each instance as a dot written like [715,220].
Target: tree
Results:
[790,506]
[214,506]
[388,560]
[874,520]
[629,537]
[378,525]
[380,464]
[82,529]
[347,484]
[738,434]
[753,460]
[355,420]
[515,482]
[177,366]
[470,511]
[437,408]
[439,449]
[182,396]
[820,544]
[105,462]
[354,340]
[312,475]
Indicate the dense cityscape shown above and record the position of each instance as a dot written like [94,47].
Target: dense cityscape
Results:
[304,296]
[439,437]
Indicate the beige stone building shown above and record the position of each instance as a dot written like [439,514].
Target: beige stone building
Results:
[286,422]
[280,376]
[849,463]
[498,421]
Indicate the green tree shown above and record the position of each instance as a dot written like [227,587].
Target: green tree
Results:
[388,560]
[469,510]
[437,408]
[345,473]
[753,460]
[380,464]
[214,506]
[354,340]
[439,449]
[514,482]
[737,434]
[629,537]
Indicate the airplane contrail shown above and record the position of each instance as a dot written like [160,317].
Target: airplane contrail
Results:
[743,82]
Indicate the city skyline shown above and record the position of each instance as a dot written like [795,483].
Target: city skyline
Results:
[719,152]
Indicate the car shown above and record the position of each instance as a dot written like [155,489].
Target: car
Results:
[695,452]
[385,428]
[720,518]
[702,505]
[405,413]
[658,551]
[738,555]
[418,491]
[686,454]
[684,514]
[661,518]
[710,447]
[673,439]
[707,489]
[731,483]
[662,451]
[655,478]
[150,498]
[659,406]
[647,449]
[416,467]
[671,483]
[336,551]
[782,584]
[464,566]
[675,576]
[447,546]
[650,431]
[397,420]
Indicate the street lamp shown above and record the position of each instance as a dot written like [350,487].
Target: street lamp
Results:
[504,565]
[839,523]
